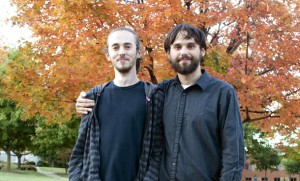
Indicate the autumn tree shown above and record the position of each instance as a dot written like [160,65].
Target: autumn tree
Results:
[3,57]
[15,133]
[22,136]
[252,44]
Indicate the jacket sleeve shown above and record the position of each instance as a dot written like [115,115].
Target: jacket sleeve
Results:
[76,159]
[75,171]
[152,172]
[233,151]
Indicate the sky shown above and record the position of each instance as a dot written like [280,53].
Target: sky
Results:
[10,35]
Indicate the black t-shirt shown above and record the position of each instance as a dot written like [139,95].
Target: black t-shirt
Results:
[121,113]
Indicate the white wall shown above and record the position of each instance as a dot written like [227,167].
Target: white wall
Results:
[14,159]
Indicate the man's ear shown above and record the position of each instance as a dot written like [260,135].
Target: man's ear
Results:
[168,54]
[138,54]
[202,51]
[107,56]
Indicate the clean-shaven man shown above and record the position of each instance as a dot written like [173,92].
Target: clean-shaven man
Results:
[121,138]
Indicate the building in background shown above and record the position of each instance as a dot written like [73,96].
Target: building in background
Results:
[251,174]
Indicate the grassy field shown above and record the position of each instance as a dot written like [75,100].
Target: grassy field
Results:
[58,171]
[21,175]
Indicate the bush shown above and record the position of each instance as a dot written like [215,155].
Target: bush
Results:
[29,163]
[60,164]
[28,167]
[43,163]
[1,165]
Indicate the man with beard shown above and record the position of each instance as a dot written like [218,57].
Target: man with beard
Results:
[203,133]
[121,139]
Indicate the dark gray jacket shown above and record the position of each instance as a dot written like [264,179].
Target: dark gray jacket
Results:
[85,159]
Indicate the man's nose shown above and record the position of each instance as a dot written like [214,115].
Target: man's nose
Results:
[184,51]
[122,51]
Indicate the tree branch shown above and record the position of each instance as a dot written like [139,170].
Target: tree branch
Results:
[260,118]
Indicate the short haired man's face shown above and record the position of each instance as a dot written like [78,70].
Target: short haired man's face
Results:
[122,50]
[185,54]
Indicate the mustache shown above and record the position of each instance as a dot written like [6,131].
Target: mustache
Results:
[184,57]
[122,58]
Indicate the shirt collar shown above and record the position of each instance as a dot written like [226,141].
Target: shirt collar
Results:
[202,82]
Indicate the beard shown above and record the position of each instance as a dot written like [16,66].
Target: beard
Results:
[126,67]
[185,69]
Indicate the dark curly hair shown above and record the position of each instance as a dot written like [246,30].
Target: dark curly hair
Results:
[192,32]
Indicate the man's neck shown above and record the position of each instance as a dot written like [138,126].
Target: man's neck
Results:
[125,79]
[190,79]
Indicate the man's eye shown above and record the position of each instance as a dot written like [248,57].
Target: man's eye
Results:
[127,47]
[177,47]
[115,48]
[191,46]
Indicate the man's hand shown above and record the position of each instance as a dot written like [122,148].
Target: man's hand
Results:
[83,105]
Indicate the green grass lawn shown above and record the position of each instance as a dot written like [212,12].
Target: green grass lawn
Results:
[58,171]
[22,175]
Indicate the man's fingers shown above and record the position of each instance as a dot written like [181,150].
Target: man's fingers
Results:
[83,110]
[82,94]
[80,104]
[83,105]
[82,99]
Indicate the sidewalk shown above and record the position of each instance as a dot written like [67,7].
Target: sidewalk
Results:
[50,174]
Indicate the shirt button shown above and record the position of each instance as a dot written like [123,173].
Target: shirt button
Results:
[184,94]
[174,164]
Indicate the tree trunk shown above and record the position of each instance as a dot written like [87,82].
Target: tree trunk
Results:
[52,162]
[66,166]
[266,173]
[8,156]
[19,161]
[150,68]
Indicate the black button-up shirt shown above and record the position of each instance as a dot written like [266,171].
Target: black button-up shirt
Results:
[203,132]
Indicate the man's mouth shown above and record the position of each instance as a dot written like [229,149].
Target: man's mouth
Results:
[123,59]
[184,60]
